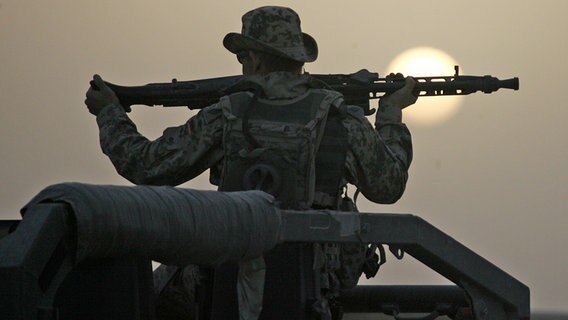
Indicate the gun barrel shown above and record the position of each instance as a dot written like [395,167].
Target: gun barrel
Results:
[444,86]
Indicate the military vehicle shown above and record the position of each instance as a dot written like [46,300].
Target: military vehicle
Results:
[85,251]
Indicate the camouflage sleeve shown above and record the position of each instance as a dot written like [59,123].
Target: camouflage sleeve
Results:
[179,155]
[378,159]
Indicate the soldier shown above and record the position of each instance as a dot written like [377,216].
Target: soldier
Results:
[282,133]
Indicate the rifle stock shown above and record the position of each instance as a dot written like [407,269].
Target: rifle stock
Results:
[357,88]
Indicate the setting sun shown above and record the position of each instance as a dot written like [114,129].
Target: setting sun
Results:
[424,62]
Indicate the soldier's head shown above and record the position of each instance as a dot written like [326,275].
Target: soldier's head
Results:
[271,40]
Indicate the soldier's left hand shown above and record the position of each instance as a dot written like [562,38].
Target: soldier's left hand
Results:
[404,96]
[99,96]
[391,105]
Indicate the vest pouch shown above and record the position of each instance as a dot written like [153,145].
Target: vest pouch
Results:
[272,171]
[281,159]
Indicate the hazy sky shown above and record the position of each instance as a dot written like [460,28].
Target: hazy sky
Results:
[493,176]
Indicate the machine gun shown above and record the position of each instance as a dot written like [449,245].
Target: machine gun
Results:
[357,88]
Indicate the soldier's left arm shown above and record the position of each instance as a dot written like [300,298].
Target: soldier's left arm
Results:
[378,159]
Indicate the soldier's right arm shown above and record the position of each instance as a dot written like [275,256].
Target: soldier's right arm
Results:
[179,155]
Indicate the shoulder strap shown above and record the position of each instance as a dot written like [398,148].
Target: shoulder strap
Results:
[330,161]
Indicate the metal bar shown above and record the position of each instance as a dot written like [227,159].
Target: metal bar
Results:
[446,299]
[415,236]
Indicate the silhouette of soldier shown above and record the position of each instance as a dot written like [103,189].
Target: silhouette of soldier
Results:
[282,133]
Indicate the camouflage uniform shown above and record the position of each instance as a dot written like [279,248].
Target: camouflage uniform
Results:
[377,159]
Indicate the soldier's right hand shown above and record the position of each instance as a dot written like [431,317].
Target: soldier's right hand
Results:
[99,95]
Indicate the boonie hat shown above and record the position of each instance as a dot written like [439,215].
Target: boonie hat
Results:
[274,30]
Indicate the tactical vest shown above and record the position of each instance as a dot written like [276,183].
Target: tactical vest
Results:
[293,149]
